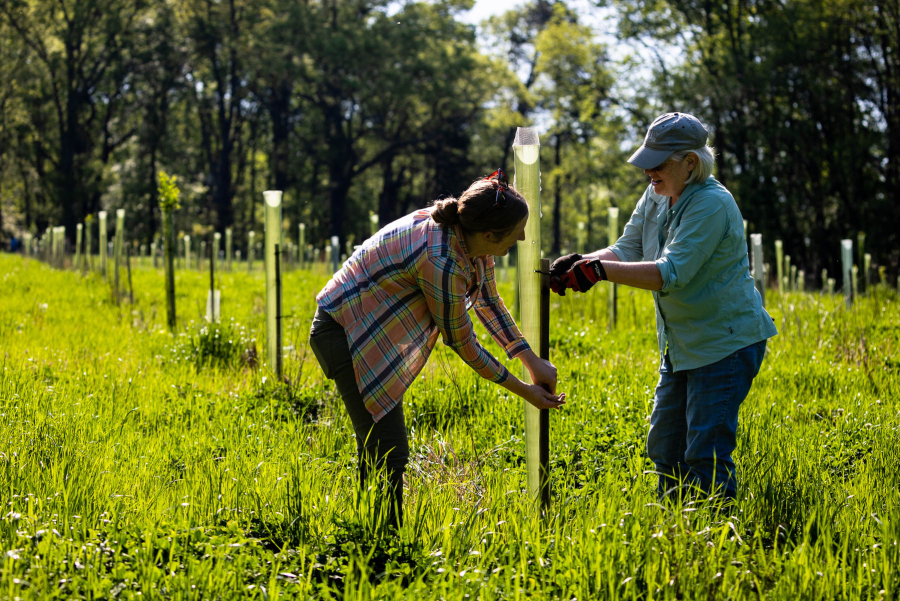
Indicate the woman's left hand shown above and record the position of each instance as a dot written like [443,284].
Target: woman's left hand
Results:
[542,371]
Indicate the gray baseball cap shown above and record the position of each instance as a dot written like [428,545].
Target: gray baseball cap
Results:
[668,133]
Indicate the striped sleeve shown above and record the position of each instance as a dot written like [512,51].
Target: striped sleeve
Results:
[444,287]
[496,317]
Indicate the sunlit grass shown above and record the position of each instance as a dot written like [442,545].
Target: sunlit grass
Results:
[133,461]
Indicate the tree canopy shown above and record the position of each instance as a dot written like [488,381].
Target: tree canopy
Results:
[376,106]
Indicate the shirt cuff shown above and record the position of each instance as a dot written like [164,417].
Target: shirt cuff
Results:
[502,377]
[517,347]
[667,271]
[619,253]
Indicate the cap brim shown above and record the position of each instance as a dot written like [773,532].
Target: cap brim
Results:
[647,158]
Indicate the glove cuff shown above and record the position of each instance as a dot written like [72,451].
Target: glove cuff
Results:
[599,271]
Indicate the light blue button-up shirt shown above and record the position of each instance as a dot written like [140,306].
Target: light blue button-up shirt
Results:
[708,307]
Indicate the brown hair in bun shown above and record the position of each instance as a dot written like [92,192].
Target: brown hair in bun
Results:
[477,210]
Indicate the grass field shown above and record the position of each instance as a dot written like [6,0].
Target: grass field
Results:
[134,464]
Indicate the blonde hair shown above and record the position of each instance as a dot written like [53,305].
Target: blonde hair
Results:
[706,160]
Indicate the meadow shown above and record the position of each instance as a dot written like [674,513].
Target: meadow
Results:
[138,464]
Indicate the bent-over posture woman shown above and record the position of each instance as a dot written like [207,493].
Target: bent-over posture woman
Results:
[379,317]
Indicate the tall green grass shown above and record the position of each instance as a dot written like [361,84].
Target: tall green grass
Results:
[132,461]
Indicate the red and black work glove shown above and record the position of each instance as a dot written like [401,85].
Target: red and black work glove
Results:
[580,278]
[563,264]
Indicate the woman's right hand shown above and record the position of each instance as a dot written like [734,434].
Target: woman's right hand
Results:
[540,398]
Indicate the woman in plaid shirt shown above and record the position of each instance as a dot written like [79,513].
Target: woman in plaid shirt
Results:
[379,317]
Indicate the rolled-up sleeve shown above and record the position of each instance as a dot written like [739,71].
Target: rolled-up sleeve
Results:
[696,237]
[630,246]
[496,317]
[445,288]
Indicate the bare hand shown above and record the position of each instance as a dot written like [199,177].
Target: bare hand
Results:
[543,372]
[542,399]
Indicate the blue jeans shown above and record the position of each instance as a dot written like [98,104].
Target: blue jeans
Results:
[693,427]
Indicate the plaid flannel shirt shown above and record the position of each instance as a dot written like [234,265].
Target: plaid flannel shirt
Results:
[400,289]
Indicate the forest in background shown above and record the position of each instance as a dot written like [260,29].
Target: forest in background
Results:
[352,107]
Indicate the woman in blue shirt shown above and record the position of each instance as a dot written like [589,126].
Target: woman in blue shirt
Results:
[685,242]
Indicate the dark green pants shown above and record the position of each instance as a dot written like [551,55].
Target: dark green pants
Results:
[381,444]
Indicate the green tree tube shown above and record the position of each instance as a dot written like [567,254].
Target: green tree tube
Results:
[867,270]
[217,247]
[824,279]
[613,231]
[251,247]
[580,238]
[846,266]
[200,256]
[830,286]
[79,239]
[793,278]
[335,254]
[88,245]
[187,251]
[102,241]
[301,245]
[801,280]
[787,273]
[168,204]
[527,149]
[373,223]
[759,278]
[229,250]
[860,254]
[273,239]
[118,248]
[779,264]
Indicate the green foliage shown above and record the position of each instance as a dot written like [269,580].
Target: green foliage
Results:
[126,471]
[168,192]
[224,345]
